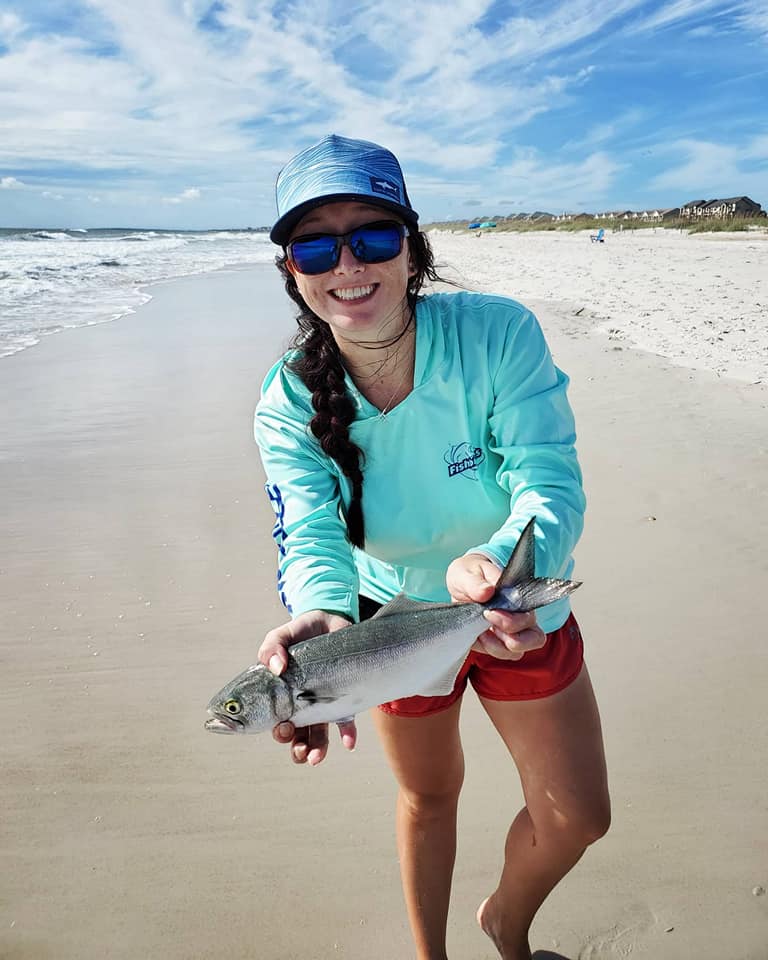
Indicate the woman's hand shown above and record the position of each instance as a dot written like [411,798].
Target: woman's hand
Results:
[308,744]
[473,577]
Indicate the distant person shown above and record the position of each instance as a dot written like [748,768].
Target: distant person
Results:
[407,439]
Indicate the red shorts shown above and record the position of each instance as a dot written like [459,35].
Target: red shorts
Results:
[539,673]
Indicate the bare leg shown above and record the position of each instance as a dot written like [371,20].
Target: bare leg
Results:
[426,757]
[557,745]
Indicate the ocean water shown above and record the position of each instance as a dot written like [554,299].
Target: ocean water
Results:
[53,280]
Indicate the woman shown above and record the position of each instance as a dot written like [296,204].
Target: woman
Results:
[407,440]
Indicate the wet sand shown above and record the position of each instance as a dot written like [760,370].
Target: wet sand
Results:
[137,575]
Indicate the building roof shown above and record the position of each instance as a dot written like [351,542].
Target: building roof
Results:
[737,199]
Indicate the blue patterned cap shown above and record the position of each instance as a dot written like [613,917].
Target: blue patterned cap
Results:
[337,168]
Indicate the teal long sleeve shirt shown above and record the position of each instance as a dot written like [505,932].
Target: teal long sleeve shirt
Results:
[484,441]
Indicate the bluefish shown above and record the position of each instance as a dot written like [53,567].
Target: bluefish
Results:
[408,648]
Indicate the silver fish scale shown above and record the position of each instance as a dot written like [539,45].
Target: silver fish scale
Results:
[380,634]
[334,676]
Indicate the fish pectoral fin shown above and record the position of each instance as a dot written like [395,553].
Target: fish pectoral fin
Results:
[403,604]
[309,696]
[443,685]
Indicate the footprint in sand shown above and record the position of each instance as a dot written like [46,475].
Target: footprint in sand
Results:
[621,939]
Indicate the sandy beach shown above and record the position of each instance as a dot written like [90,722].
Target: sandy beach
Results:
[697,299]
[137,575]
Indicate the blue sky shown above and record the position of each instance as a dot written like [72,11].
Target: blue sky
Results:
[179,113]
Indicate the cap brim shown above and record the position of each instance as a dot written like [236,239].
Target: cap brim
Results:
[282,230]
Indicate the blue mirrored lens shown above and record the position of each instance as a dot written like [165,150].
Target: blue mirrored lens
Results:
[315,254]
[371,243]
[376,244]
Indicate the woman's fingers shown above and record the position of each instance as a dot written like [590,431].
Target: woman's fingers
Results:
[511,635]
[348,733]
[283,732]
[310,744]
[472,578]
[273,652]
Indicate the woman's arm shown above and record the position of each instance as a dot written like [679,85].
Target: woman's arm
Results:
[533,433]
[315,565]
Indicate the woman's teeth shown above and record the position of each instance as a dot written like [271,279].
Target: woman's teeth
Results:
[353,293]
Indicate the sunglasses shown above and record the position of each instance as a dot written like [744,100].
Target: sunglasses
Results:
[371,243]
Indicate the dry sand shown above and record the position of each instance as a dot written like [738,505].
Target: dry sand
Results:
[700,300]
[137,574]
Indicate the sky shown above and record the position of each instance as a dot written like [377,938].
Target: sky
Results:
[179,114]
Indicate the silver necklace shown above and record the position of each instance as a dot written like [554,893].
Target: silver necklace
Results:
[388,405]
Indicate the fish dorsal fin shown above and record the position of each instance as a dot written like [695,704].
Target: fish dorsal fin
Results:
[401,604]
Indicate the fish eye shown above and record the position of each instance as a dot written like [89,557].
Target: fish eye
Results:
[233,707]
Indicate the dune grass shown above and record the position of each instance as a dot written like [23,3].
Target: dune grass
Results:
[702,225]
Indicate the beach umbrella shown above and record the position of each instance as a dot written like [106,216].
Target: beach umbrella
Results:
[474,226]
[487,223]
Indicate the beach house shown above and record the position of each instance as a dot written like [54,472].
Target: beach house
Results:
[730,207]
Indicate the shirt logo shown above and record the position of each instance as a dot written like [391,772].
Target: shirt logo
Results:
[464,458]
[386,187]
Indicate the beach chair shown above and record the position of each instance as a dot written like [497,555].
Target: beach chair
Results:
[598,237]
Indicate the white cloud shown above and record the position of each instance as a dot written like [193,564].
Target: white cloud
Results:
[178,97]
[564,186]
[750,15]
[192,194]
[620,127]
[756,18]
[715,169]
[530,182]
[150,99]
[51,196]
[679,10]
[563,24]
[10,183]
[11,26]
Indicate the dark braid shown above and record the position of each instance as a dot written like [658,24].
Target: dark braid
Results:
[319,365]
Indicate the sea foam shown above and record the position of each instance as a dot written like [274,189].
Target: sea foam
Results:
[54,279]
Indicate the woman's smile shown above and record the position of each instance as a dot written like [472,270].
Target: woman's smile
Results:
[348,294]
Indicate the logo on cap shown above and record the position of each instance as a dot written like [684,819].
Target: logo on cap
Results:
[386,188]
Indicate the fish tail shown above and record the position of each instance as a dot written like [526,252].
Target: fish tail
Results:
[519,589]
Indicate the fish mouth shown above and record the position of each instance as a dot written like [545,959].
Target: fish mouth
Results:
[219,724]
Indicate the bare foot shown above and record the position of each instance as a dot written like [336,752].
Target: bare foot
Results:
[490,923]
